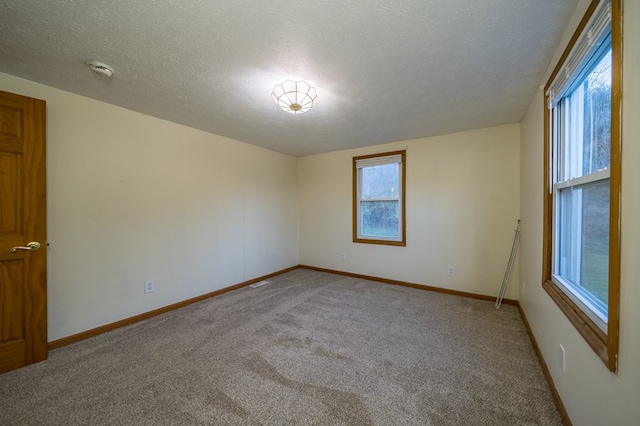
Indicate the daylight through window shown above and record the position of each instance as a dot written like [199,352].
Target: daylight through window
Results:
[379,198]
[584,180]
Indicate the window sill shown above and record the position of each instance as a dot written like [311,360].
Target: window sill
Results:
[381,242]
[595,338]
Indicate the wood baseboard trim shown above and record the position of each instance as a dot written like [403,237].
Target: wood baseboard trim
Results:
[146,315]
[556,396]
[55,344]
[413,285]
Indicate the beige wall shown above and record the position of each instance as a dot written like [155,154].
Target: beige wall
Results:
[591,394]
[462,207]
[131,198]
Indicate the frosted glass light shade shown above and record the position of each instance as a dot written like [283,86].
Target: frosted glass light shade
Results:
[294,97]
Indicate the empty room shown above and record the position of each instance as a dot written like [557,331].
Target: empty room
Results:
[402,212]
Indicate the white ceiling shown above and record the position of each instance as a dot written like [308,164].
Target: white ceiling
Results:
[385,70]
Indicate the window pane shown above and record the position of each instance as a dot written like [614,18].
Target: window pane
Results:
[380,181]
[585,123]
[379,218]
[583,232]
[597,117]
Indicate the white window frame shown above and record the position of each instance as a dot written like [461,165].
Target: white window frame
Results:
[362,162]
[600,28]
[567,167]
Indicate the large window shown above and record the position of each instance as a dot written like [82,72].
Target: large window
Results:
[583,183]
[378,198]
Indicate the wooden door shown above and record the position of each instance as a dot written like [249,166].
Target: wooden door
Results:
[23,273]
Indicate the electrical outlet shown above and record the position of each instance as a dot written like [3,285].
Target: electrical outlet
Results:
[343,256]
[451,271]
[524,287]
[149,286]
[561,358]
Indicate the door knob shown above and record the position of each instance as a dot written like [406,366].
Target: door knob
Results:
[32,246]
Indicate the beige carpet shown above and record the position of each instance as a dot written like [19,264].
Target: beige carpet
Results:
[309,348]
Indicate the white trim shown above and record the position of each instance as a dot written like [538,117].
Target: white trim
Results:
[382,198]
[373,162]
[379,161]
[583,180]
[593,34]
[585,305]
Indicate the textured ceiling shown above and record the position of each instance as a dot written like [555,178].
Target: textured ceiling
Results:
[385,70]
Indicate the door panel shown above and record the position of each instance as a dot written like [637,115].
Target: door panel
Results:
[11,315]
[10,167]
[23,282]
[11,301]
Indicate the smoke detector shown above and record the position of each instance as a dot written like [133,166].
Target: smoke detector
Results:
[100,68]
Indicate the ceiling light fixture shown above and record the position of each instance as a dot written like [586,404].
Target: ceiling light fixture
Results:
[294,97]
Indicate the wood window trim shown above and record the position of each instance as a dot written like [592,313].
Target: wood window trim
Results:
[589,331]
[605,345]
[403,230]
